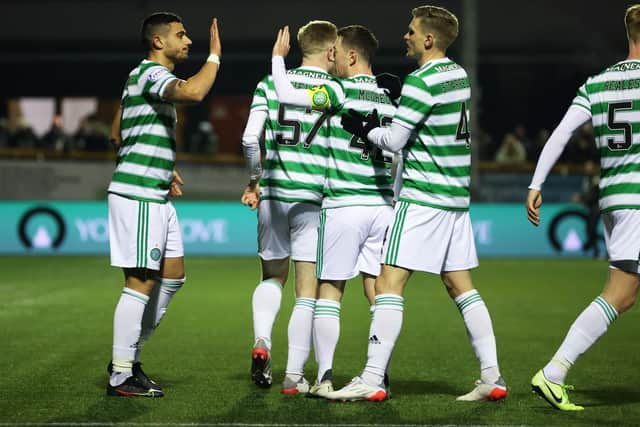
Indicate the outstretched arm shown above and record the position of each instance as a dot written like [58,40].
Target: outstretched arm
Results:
[195,88]
[392,138]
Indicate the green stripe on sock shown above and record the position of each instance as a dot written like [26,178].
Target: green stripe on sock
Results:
[306,302]
[468,301]
[389,301]
[607,308]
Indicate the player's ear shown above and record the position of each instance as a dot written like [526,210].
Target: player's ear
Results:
[353,57]
[157,42]
[331,54]
[429,41]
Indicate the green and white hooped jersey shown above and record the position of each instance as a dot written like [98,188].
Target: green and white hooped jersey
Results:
[612,98]
[296,137]
[147,155]
[437,158]
[356,176]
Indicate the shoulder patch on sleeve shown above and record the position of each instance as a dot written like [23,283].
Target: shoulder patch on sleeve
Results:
[319,97]
[156,74]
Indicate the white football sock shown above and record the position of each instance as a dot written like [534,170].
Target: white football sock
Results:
[480,331]
[127,324]
[387,323]
[156,308]
[266,305]
[326,332]
[300,331]
[590,325]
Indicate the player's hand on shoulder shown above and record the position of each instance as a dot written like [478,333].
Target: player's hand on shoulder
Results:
[358,124]
[251,196]
[215,45]
[533,203]
[281,46]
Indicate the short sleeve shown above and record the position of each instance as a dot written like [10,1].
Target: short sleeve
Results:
[415,102]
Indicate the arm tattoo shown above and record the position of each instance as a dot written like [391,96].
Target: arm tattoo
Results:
[170,91]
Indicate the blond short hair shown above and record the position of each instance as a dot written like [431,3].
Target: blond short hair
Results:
[439,21]
[632,22]
[316,36]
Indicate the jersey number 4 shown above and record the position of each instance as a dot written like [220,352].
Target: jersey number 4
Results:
[462,132]
[297,127]
[619,125]
[357,143]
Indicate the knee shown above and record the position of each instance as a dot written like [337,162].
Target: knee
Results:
[387,287]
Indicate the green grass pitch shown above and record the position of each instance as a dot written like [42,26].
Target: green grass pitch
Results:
[56,323]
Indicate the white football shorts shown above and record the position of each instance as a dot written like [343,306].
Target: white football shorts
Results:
[422,238]
[142,233]
[350,240]
[287,229]
[622,237]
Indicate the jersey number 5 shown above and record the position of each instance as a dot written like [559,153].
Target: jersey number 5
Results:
[296,125]
[619,125]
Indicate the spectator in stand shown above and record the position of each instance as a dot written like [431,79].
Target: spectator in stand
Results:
[203,139]
[4,134]
[582,147]
[56,138]
[535,148]
[511,151]
[19,133]
[485,144]
[93,135]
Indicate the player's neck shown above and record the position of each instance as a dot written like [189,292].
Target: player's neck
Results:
[161,59]
[359,69]
[431,55]
[318,60]
[634,51]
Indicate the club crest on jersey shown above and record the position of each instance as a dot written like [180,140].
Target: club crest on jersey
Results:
[319,97]
[155,254]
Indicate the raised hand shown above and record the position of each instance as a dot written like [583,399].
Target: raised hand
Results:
[534,201]
[281,46]
[215,46]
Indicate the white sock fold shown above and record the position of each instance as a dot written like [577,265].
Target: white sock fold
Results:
[480,331]
[300,331]
[326,332]
[385,329]
[590,325]
[156,308]
[266,305]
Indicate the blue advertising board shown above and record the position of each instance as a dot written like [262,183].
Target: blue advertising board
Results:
[219,228]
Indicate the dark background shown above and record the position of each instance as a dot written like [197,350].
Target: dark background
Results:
[531,58]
